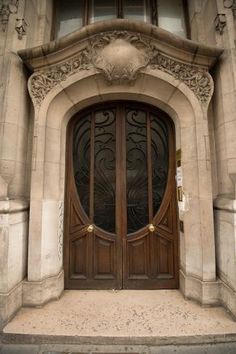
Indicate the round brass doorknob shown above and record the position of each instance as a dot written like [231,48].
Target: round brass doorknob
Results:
[151,227]
[90,228]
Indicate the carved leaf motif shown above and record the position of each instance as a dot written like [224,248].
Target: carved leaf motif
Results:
[140,50]
[60,229]
[42,82]
[7,7]
[197,79]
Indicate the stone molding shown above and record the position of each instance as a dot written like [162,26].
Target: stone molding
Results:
[205,292]
[209,293]
[116,70]
[7,7]
[225,203]
[228,298]
[10,206]
[120,55]
[60,230]
[133,53]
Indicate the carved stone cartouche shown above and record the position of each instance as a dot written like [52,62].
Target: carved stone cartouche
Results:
[120,61]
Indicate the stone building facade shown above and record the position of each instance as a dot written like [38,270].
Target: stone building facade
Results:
[45,82]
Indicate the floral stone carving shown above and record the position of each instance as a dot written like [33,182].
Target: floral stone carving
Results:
[42,82]
[7,7]
[120,56]
[197,79]
[60,229]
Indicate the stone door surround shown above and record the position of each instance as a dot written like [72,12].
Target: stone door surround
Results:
[115,60]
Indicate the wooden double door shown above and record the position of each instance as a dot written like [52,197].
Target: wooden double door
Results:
[120,216]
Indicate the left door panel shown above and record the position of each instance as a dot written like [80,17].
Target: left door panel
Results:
[91,251]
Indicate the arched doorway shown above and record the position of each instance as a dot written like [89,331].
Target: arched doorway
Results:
[121,217]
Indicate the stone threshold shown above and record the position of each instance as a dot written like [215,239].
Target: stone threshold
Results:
[152,318]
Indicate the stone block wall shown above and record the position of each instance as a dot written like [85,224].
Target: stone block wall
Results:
[23,23]
[13,250]
[29,24]
[213,22]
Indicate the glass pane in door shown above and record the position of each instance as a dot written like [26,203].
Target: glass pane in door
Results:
[136,169]
[160,160]
[105,169]
[81,159]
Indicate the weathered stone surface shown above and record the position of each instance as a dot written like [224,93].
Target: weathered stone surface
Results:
[111,51]
[220,348]
[121,317]
[108,61]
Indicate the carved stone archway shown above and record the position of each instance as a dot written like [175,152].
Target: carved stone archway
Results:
[120,60]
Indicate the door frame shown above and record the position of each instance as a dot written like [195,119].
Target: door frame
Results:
[169,190]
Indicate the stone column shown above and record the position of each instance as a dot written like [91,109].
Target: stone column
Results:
[214,22]
[20,22]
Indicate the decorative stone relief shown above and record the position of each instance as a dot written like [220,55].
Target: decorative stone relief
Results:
[120,56]
[43,81]
[60,229]
[220,23]
[7,7]
[230,4]
[20,27]
[197,79]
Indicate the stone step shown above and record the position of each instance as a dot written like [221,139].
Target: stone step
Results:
[143,322]
[217,348]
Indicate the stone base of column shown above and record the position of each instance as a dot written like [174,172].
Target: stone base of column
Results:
[205,292]
[228,298]
[37,293]
[10,303]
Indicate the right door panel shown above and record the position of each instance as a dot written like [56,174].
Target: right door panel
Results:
[151,243]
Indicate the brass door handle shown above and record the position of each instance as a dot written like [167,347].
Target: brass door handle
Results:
[151,227]
[90,228]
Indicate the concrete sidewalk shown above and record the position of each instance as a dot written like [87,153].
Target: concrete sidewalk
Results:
[124,321]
